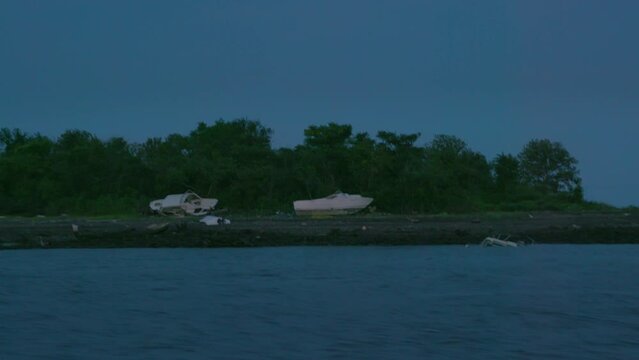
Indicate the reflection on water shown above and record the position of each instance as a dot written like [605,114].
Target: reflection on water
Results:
[560,302]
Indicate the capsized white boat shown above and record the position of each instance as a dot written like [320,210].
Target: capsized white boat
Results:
[335,204]
[188,203]
[496,241]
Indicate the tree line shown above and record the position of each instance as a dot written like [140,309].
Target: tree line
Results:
[234,161]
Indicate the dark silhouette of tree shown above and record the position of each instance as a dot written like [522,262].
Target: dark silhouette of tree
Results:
[459,176]
[10,139]
[401,177]
[235,162]
[507,172]
[549,166]
[324,157]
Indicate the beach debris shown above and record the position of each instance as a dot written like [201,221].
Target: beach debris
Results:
[496,241]
[576,227]
[158,228]
[188,203]
[530,216]
[282,215]
[74,230]
[364,228]
[211,220]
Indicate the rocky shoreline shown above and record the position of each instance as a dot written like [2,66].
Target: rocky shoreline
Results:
[546,228]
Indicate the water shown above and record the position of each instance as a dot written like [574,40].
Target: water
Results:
[448,302]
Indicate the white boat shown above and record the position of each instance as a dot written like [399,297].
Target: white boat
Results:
[496,241]
[335,204]
[211,220]
[188,203]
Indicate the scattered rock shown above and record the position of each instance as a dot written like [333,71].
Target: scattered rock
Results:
[181,226]
[158,228]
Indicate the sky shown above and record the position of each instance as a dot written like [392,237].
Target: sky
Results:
[495,73]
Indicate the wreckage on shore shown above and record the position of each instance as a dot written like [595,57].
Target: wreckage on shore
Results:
[498,241]
[188,203]
[335,204]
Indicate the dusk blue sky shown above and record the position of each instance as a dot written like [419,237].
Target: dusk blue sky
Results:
[495,73]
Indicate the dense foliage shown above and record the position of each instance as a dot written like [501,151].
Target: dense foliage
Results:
[235,162]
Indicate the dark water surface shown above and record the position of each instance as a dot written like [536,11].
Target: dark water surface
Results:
[448,302]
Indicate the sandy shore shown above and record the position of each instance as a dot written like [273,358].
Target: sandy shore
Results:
[290,230]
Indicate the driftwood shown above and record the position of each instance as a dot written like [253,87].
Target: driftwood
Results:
[496,241]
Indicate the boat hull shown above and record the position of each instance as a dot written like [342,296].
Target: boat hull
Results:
[345,205]
[188,203]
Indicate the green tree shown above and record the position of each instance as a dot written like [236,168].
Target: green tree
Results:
[80,164]
[9,139]
[400,181]
[166,160]
[290,180]
[459,176]
[26,182]
[328,136]
[549,166]
[324,158]
[363,163]
[232,160]
[507,173]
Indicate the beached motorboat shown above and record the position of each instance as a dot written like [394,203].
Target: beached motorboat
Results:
[188,203]
[335,204]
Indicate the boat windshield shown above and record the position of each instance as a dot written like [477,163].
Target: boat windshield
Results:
[335,195]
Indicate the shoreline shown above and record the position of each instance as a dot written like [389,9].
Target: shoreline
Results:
[541,228]
[150,232]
